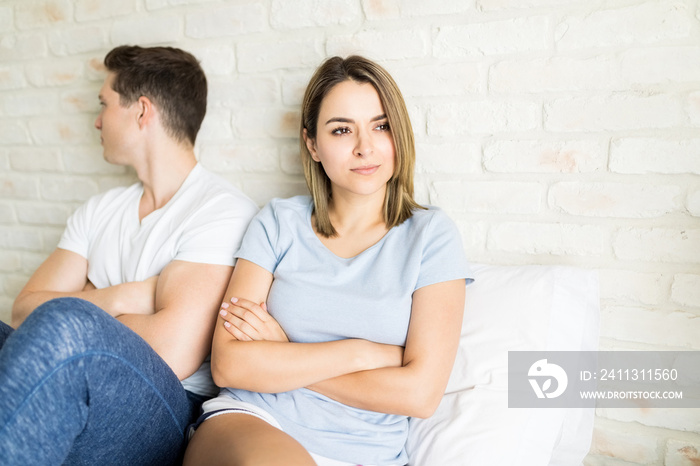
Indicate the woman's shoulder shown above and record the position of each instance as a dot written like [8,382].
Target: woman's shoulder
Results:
[289,205]
[286,208]
[301,202]
[427,216]
[427,225]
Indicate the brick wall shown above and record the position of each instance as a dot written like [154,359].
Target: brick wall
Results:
[552,131]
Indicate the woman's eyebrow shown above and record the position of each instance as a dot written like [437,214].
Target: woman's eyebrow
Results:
[349,120]
[340,120]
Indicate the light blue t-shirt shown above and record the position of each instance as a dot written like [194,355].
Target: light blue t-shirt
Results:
[317,296]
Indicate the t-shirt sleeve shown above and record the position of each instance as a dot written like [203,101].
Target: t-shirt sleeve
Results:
[260,241]
[216,233]
[443,255]
[76,236]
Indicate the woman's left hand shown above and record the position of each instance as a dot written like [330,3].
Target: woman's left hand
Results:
[249,321]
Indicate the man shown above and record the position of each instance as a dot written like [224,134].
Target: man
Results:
[124,308]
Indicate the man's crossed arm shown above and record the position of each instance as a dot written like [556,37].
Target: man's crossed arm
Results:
[174,311]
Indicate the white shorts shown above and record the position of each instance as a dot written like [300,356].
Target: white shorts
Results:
[224,404]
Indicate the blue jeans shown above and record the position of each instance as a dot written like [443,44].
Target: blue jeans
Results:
[78,387]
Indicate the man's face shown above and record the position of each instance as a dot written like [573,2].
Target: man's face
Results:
[118,125]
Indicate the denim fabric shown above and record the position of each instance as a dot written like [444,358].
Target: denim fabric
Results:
[78,387]
[5,332]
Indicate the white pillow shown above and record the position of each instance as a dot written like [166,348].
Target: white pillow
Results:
[509,308]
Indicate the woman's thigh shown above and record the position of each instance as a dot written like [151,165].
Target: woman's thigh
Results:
[242,439]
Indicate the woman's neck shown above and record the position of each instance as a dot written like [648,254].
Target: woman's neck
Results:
[359,224]
[356,213]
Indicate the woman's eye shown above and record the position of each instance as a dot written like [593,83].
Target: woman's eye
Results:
[383,127]
[341,130]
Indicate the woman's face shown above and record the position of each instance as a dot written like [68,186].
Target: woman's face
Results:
[353,140]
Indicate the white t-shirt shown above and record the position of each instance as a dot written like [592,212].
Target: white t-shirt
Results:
[204,222]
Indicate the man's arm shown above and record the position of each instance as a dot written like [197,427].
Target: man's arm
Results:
[174,312]
[188,296]
[64,274]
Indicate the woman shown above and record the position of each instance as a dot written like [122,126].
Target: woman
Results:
[365,292]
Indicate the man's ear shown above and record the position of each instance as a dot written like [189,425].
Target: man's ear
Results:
[310,145]
[145,111]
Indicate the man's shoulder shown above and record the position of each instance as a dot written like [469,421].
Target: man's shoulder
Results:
[211,196]
[110,199]
[215,185]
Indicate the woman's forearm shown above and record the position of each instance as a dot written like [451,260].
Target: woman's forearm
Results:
[274,367]
[416,388]
[391,390]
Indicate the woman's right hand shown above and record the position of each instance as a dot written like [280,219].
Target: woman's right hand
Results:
[249,321]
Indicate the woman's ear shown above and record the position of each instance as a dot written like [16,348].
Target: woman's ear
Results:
[310,145]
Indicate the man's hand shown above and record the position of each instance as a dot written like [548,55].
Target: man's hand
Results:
[136,297]
[248,321]
[64,274]
[125,298]
[180,327]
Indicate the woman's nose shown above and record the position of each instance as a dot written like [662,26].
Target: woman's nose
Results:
[364,145]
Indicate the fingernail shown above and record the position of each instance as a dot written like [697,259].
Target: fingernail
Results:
[227,324]
[224,305]
[234,300]
[223,313]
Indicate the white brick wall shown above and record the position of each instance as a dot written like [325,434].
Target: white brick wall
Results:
[643,155]
[615,199]
[552,131]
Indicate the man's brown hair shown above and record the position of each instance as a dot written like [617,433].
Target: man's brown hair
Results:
[171,78]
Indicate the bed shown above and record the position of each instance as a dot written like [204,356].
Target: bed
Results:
[512,308]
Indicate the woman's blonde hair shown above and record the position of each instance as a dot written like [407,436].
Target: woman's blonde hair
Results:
[398,202]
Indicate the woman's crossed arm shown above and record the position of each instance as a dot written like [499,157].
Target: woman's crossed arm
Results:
[253,353]
[268,362]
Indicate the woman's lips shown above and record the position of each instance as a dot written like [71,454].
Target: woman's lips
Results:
[368,170]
